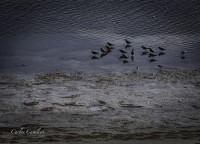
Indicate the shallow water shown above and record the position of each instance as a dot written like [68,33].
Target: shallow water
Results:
[45,36]
[107,108]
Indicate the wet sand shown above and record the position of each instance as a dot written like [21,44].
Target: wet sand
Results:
[102,108]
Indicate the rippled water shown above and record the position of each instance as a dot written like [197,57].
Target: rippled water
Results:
[57,35]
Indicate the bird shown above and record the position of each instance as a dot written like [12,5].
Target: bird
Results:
[132,52]
[152,55]
[183,52]
[94,57]
[109,47]
[162,49]
[125,61]
[122,51]
[137,68]
[123,56]
[108,50]
[150,49]
[94,53]
[127,42]
[161,53]
[160,66]
[110,44]
[145,48]
[152,60]
[103,50]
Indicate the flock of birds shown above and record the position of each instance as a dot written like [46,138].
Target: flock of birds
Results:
[124,53]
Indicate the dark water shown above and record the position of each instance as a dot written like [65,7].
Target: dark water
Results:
[57,35]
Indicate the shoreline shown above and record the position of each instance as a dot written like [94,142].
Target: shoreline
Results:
[103,106]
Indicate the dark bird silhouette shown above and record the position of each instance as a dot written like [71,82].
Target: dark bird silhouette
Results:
[145,48]
[108,50]
[183,52]
[150,49]
[103,50]
[123,56]
[125,61]
[161,53]
[110,44]
[162,49]
[160,66]
[144,52]
[152,60]
[128,45]
[94,53]
[109,47]
[127,42]
[122,51]
[94,57]
[132,52]
[152,55]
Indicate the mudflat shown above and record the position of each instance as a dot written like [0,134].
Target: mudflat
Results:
[103,108]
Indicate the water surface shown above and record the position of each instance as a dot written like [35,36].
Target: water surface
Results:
[57,35]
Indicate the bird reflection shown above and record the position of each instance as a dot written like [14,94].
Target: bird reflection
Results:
[144,53]
[94,53]
[161,53]
[125,61]
[103,54]
[183,57]
[152,60]
[94,57]
[152,55]
[128,45]
[132,58]
[123,56]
